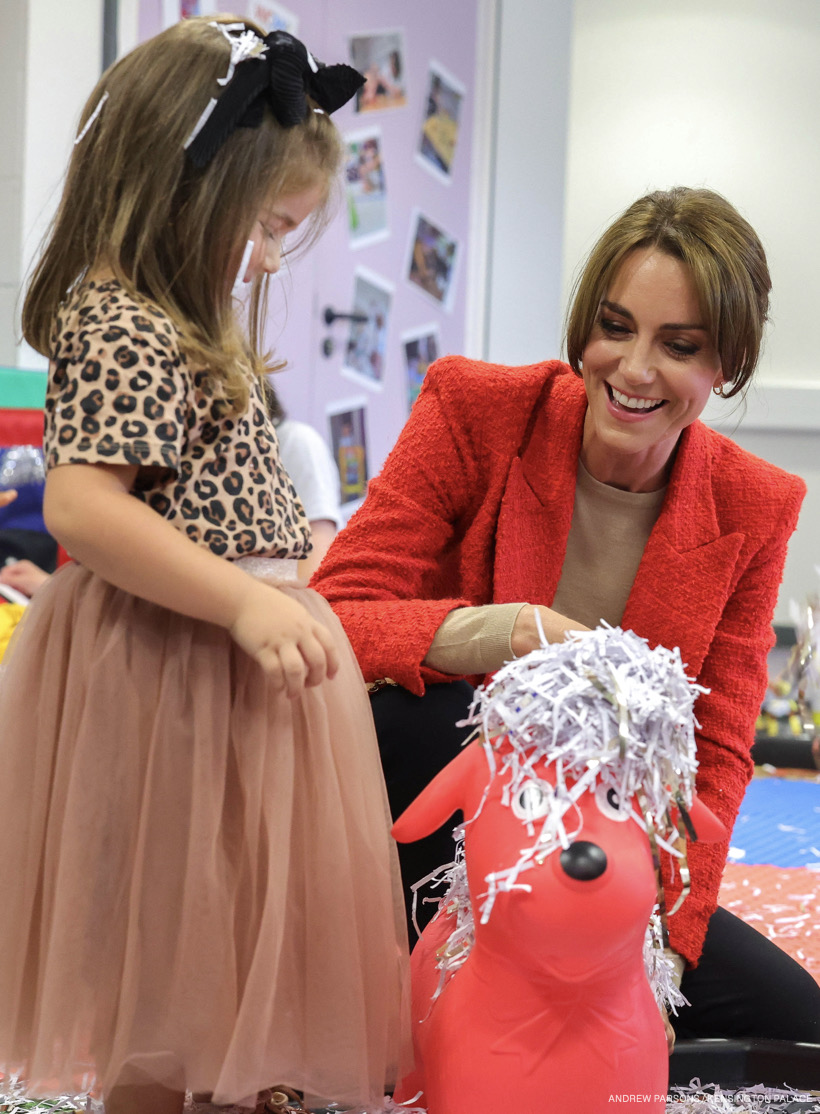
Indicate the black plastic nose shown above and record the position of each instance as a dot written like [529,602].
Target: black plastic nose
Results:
[583,861]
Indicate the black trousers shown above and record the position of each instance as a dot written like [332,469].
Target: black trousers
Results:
[744,985]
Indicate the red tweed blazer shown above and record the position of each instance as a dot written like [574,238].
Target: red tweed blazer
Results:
[474,506]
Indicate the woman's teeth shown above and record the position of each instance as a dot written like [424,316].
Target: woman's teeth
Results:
[635,403]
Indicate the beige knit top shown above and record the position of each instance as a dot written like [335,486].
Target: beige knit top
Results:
[609,531]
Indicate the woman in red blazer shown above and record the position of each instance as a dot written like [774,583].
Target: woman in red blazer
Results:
[588,491]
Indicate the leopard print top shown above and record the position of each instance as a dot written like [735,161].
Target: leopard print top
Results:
[121,392]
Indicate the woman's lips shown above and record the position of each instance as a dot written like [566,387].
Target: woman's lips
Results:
[631,406]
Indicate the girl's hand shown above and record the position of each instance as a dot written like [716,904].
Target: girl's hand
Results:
[25,576]
[292,648]
[7,497]
[525,635]
[90,511]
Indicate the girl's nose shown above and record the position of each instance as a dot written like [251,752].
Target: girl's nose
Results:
[273,257]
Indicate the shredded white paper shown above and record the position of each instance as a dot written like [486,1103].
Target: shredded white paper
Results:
[245,44]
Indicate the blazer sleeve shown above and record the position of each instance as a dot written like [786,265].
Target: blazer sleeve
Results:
[384,575]
[735,671]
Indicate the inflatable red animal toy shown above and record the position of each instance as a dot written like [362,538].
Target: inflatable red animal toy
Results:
[530,989]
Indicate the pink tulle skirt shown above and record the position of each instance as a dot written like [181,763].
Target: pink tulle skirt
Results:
[197,882]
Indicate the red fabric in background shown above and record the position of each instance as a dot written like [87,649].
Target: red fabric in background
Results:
[20,427]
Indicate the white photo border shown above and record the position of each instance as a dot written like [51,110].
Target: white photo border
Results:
[421,332]
[382,31]
[386,287]
[434,67]
[445,303]
[345,406]
[359,135]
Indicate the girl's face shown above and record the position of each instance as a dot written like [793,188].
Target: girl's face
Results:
[275,220]
[648,368]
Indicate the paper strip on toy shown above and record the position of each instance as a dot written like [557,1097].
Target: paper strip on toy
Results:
[531,982]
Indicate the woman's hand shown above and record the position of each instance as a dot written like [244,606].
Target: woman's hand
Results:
[25,576]
[294,649]
[525,635]
[7,497]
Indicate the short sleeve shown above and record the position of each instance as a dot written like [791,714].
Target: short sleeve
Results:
[309,464]
[118,386]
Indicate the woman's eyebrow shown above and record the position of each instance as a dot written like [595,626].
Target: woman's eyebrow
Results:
[616,307]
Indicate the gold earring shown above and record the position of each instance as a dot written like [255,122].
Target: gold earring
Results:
[718,390]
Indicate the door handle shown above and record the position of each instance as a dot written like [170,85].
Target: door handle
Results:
[330,315]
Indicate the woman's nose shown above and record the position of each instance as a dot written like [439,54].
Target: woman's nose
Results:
[636,363]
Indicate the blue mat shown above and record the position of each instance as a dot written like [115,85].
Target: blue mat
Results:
[779,824]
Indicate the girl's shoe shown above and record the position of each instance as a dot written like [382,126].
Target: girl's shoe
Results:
[282,1100]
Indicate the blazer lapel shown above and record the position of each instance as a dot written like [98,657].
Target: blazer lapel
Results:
[536,508]
[687,568]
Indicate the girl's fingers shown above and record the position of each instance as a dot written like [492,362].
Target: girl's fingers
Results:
[315,659]
[301,659]
[268,659]
[328,645]
[294,669]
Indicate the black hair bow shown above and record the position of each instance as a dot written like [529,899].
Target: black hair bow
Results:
[282,75]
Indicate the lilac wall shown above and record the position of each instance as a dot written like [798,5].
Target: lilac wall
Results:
[445,33]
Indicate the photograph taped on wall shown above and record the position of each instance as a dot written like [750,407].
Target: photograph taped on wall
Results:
[269,16]
[273,17]
[365,187]
[366,350]
[175,10]
[380,57]
[431,263]
[419,347]
[348,439]
[439,131]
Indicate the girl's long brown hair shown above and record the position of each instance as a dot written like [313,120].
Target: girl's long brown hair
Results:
[134,204]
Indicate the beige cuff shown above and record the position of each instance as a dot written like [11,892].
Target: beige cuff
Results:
[679,964]
[474,639]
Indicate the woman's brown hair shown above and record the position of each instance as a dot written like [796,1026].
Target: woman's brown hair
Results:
[725,259]
[133,202]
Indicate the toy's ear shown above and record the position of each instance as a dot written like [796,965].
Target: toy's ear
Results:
[708,829]
[445,794]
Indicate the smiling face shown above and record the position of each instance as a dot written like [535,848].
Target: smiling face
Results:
[648,368]
[275,220]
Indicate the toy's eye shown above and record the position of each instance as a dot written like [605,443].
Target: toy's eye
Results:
[609,803]
[532,801]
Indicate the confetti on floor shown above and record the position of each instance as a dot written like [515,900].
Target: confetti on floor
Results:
[782,904]
[772,880]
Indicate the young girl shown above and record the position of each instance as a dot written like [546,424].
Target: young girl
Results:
[198,884]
